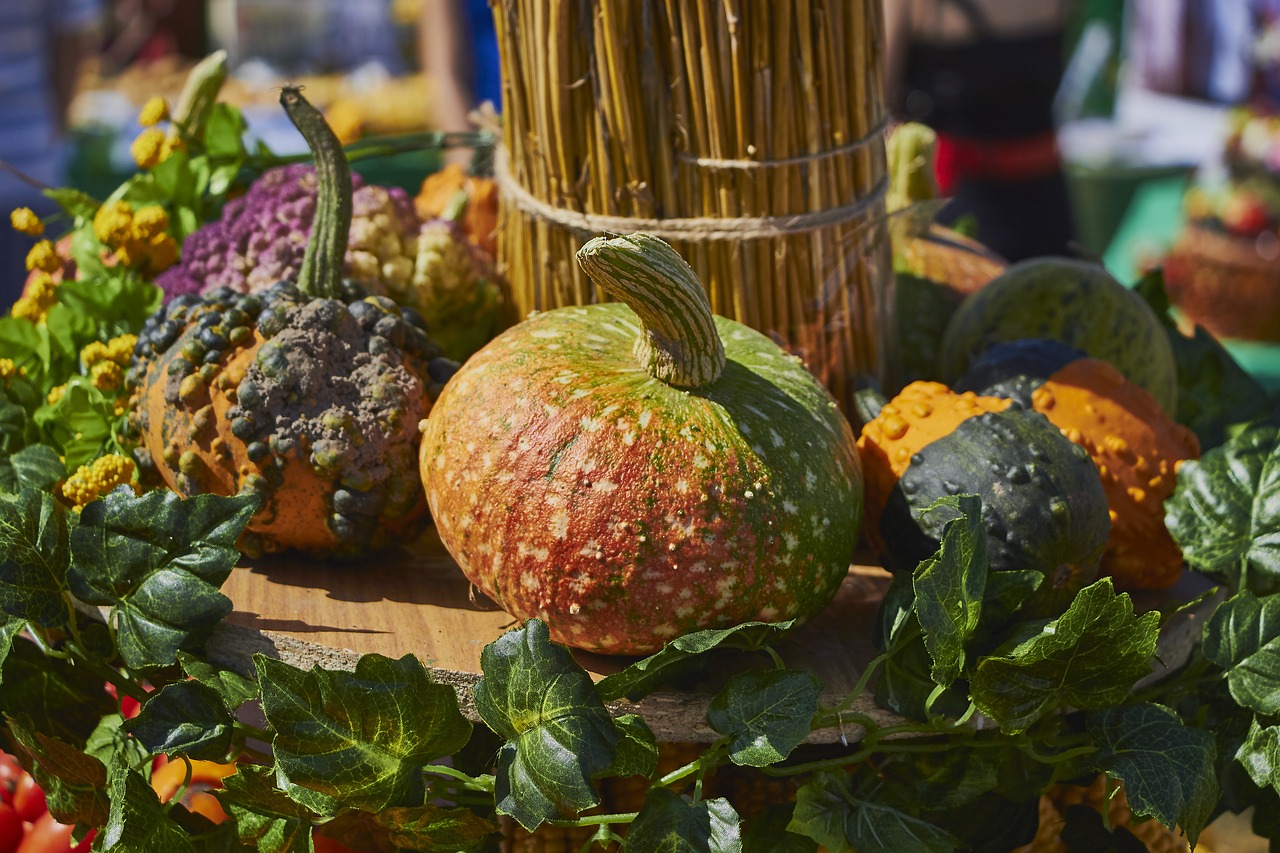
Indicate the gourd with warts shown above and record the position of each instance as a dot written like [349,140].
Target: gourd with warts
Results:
[308,395]
[635,470]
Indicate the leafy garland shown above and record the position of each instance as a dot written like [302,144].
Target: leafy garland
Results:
[123,593]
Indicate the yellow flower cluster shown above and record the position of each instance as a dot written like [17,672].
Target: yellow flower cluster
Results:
[10,369]
[106,362]
[43,256]
[91,482]
[153,112]
[40,295]
[153,146]
[139,239]
[55,394]
[25,221]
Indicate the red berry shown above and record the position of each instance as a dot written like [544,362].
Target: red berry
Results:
[11,829]
[28,799]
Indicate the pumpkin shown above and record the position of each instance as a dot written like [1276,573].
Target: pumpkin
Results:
[308,395]
[1135,446]
[1042,502]
[934,267]
[632,471]
[470,200]
[1071,301]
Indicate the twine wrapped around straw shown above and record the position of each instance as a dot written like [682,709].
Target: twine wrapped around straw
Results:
[747,134]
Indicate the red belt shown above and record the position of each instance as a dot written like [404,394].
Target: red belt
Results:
[1016,159]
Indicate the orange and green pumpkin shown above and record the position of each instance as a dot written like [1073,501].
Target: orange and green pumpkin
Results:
[632,471]
[1043,506]
[1135,446]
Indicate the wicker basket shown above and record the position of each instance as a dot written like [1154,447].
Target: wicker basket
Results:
[748,135]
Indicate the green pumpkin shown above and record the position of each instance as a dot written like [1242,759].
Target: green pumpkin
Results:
[632,472]
[1074,302]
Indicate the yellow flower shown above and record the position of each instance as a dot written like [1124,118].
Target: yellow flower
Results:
[172,143]
[153,112]
[120,349]
[131,253]
[9,369]
[25,221]
[55,394]
[149,222]
[148,148]
[41,295]
[113,223]
[93,353]
[43,256]
[106,376]
[91,482]
[163,251]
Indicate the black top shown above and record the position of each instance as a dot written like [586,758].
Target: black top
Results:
[994,86]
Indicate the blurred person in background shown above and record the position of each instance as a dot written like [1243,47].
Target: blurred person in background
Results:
[459,53]
[42,43]
[983,74]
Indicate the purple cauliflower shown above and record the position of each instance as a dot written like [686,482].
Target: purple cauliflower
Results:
[262,235]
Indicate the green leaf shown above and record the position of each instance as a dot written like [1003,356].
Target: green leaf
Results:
[646,675]
[234,688]
[79,423]
[184,718]
[905,682]
[1225,512]
[1005,594]
[76,204]
[896,612]
[33,558]
[34,467]
[224,131]
[949,588]
[1168,769]
[137,822]
[828,811]
[637,753]
[767,832]
[173,177]
[1260,755]
[765,713]
[947,779]
[668,823]
[266,818]
[159,560]
[557,731]
[51,695]
[110,737]
[432,829]
[74,783]
[10,626]
[1088,658]
[117,300]
[359,738]
[1084,832]
[1243,637]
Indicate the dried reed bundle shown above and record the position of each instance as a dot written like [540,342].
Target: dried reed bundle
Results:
[747,134]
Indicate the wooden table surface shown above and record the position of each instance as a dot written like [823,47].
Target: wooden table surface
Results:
[415,600]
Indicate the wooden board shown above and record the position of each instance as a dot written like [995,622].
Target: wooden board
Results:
[416,601]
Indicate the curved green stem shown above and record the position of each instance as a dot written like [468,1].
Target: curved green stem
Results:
[596,819]
[322,264]
[483,783]
[679,343]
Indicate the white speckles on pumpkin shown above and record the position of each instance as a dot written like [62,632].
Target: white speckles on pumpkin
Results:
[524,549]
[589,424]
[560,524]
[791,540]
[588,465]
[550,410]
[767,614]
[579,393]
[574,610]
[529,582]
[789,508]
[777,438]
[684,611]
[645,417]
[698,568]
[603,487]
[666,630]
[682,486]
[591,550]
[564,377]
[700,461]
[545,333]
[810,478]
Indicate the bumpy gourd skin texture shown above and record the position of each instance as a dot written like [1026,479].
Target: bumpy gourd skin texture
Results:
[1042,502]
[1074,302]
[312,404]
[572,486]
[1135,446]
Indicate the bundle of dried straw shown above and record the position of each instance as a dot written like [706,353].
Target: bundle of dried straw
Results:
[749,134]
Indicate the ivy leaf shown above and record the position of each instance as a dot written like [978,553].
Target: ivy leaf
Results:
[946,779]
[667,823]
[137,822]
[159,560]
[184,718]
[1084,832]
[1260,755]
[1225,512]
[74,783]
[558,733]
[765,713]
[432,829]
[33,558]
[637,753]
[1087,658]
[949,588]
[1243,637]
[767,832]
[645,675]
[110,737]
[359,738]
[896,611]
[9,628]
[1004,596]
[1168,769]
[266,818]
[828,811]
[905,682]
[54,697]
[34,467]
[233,687]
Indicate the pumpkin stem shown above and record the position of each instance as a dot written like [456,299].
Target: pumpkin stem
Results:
[321,273]
[679,343]
[911,149]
